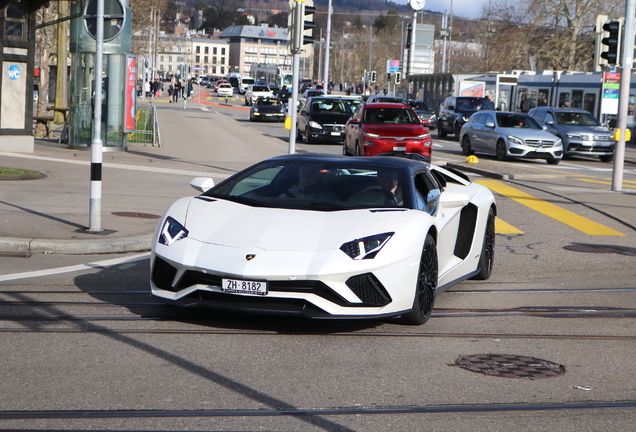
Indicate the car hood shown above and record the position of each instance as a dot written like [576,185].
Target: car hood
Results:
[395,130]
[597,130]
[330,118]
[524,133]
[230,224]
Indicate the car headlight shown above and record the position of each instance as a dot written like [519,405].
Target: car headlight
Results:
[366,248]
[370,135]
[574,136]
[315,125]
[515,140]
[433,117]
[558,143]
[255,109]
[423,136]
[171,232]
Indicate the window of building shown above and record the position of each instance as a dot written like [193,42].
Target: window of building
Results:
[222,69]
[205,59]
[15,22]
[206,50]
[169,58]
[213,69]
[169,68]
[198,59]
[213,59]
[222,51]
[214,50]
[222,60]
[160,58]
[198,49]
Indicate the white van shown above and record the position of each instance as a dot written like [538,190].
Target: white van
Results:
[245,82]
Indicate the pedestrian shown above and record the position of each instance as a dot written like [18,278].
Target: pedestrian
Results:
[177,90]
[385,91]
[526,104]
[171,93]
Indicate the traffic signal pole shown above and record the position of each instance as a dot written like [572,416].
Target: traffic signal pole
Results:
[95,211]
[623,100]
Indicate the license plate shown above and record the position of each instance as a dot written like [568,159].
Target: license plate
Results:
[244,286]
[335,133]
[399,149]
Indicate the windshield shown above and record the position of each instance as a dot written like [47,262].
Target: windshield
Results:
[420,106]
[576,119]
[505,120]
[475,104]
[316,185]
[390,115]
[257,88]
[329,106]
[267,102]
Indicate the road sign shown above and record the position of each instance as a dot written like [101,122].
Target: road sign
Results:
[392,66]
[114,14]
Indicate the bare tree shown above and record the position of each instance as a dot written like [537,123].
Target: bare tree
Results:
[46,46]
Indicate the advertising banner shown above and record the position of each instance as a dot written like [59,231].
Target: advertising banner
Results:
[130,92]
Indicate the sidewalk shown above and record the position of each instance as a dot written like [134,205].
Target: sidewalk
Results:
[52,215]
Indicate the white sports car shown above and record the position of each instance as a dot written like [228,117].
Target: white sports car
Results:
[325,236]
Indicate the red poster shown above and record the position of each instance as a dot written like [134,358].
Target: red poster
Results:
[130,99]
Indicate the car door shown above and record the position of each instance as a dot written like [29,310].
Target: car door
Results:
[301,122]
[352,128]
[473,128]
[489,134]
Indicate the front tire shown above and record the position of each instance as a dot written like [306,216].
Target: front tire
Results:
[425,286]
[308,139]
[467,148]
[487,257]
[458,130]
[501,151]
[608,158]
[441,133]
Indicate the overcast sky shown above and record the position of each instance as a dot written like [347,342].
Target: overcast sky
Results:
[464,8]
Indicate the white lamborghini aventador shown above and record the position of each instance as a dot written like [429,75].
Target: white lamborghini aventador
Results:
[325,236]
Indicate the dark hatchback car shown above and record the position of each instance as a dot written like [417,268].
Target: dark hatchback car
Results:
[456,110]
[427,115]
[322,119]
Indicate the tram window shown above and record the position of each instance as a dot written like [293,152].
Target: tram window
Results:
[589,103]
[543,97]
[564,100]
[577,99]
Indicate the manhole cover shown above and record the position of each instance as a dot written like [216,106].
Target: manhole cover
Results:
[137,215]
[509,366]
[601,249]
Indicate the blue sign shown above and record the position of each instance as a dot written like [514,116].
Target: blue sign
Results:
[14,72]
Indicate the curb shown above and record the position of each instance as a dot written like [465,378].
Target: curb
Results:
[525,175]
[75,247]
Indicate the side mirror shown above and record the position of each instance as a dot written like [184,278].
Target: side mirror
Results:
[202,184]
[550,122]
[454,199]
[489,124]
[452,108]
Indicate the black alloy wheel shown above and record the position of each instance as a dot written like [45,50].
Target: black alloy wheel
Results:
[308,139]
[607,158]
[467,148]
[425,287]
[458,130]
[487,257]
[501,151]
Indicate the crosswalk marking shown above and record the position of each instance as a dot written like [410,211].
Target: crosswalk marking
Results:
[580,223]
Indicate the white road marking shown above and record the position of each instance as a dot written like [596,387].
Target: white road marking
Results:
[74,268]
[120,166]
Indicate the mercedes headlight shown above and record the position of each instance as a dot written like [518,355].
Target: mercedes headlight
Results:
[515,140]
[315,125]
[366,248]
[171,232]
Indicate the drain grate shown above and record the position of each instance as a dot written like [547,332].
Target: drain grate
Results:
[600,249]
[136,215]
[509,366]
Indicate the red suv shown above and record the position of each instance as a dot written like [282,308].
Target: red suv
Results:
[387,129]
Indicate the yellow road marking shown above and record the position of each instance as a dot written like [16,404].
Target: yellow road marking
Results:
[502,227]
[606,182]
[580,223]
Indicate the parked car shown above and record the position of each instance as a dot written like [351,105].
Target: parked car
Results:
[456,110]
[225,89]
[387,129]
[267,109]
[322,119]
[212,82]
[579,130]
[234,246]
[508,134]
[254,92]
[427,115]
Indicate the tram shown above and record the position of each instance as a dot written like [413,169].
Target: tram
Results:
[543,88]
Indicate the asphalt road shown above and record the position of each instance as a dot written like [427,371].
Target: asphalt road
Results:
[85,348]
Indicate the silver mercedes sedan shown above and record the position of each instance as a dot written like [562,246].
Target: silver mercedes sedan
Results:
[509,135]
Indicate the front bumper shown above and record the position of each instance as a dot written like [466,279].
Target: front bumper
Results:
[268,116]
[331,133]
[590,148]
[355,289]
[409,147]
[535,152]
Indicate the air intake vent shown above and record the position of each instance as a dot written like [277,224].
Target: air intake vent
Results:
[467,221]
[163,274]
[369,289]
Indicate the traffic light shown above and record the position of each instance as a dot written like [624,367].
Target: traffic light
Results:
[388,77]
[398,77]
[277,74]
[373,76]
[301,24]
[612,32]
